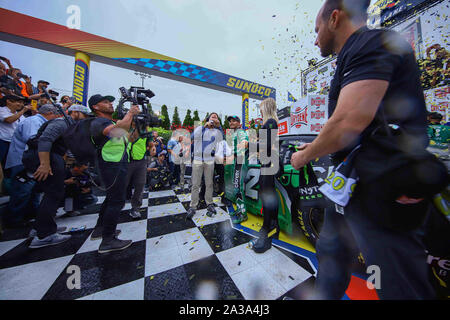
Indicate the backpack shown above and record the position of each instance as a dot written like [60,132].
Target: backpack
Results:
[78,139]
[30,157]
[33,142]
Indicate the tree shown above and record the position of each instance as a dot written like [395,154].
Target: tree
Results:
[196,116]
[150,109]
[176,118]
[165,117]
[226,124]
[188,120]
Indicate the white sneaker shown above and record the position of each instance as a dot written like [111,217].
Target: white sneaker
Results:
[51,240]
[33,232]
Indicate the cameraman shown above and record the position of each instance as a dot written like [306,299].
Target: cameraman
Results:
[137,172]
[111,139]
[10,117]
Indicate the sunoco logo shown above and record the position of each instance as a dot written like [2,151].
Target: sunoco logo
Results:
[299,117]
[80,84]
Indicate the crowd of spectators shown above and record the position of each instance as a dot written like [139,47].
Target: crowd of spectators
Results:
[25,107]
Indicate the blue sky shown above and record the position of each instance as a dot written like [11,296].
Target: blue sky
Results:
[244,38]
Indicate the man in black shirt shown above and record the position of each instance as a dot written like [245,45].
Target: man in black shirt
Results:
[377,81]
[111,140]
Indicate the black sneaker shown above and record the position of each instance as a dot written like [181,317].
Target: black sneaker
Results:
[190,213]
[263,243]
[211,210]
[98,233]
[114,245]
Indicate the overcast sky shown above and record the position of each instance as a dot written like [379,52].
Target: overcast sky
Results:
[264,41]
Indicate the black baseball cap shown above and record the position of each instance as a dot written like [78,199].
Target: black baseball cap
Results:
[98,98]
[11,97]
[43,81]
[234,118]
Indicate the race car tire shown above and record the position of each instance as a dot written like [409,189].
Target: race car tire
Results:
[310,220]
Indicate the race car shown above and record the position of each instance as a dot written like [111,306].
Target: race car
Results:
[293,212]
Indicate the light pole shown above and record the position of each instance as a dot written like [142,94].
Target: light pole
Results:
[143,76]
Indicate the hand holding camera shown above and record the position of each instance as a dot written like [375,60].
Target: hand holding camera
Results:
[134,110]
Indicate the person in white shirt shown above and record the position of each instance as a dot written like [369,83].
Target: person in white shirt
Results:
[11,114]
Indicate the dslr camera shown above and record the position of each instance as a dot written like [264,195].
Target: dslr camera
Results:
[139,96]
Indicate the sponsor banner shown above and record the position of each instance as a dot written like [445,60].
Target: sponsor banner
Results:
[317,81]
[384,10]
[284,113]
[245,112]
[194,72]
[81,78]
[438,100]
[309,115]
[428,35]
[53,37]
[283,126]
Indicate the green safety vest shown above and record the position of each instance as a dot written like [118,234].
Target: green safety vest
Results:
[114,149]
[138,149]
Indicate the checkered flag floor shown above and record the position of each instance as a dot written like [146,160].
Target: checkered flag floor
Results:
[171,258]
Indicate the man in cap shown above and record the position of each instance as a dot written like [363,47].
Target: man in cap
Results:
[38,91]
[10,117]
[50,175]
[23,200]
[79,112]
[111,138]
[240,144]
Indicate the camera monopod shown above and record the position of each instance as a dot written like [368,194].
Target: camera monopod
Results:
[68,119]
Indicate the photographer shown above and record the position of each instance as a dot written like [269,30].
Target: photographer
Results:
[111,140]
[22,88]
[159,173]
[137,172]
[10,117]
[158,142]
[174,149]
[205,139]
[38,91]
[78,193]
[67,102]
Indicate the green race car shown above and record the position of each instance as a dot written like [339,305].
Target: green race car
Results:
[292,189]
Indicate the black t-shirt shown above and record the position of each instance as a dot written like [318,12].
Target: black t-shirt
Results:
[382,55]
[97,127]
[267,146]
